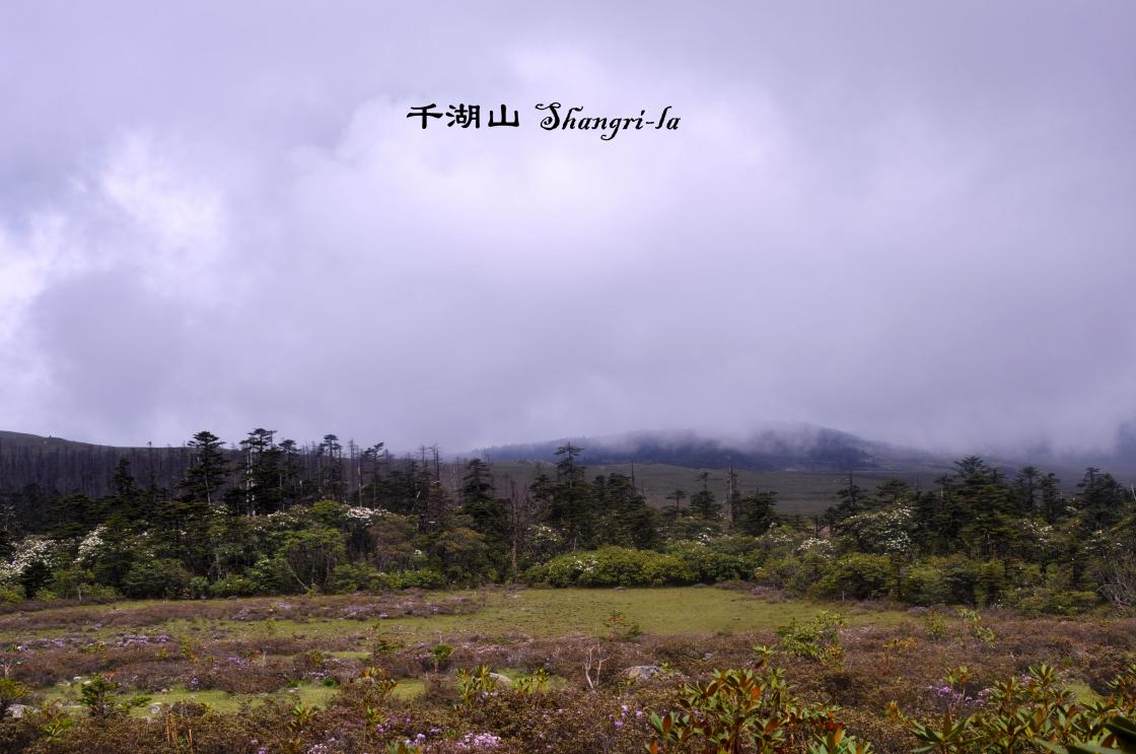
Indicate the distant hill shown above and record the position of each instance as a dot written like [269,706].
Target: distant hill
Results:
[55,464]
[806,463]
[802,448]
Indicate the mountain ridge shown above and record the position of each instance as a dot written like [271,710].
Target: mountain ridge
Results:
[798,447]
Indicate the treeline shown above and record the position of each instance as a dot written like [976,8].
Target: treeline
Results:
[33,469]
[274,518]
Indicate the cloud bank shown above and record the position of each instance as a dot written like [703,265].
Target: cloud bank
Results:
[913,223]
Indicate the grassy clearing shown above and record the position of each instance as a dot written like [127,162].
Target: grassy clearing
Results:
[222,701]
[503,613]
[665,612]
[243,653]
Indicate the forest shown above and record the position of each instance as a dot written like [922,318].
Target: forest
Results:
[273,518]
[321,600]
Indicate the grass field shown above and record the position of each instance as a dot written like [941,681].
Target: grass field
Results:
[263,656]
[287,628]
[492,614]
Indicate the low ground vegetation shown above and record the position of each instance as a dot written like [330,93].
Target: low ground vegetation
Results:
[557,670]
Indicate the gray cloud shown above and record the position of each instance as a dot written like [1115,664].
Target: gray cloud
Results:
[908,221]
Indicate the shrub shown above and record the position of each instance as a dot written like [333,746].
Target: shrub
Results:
[710,564]
[232,585]
[960,577]
[613,566]
[271,576]
[1013,713]
[1054,601]
[745,710]
[11,594]
[794,574]
[924,584]
[352,577]
[935,624]
[991,582]
[11,691]
[312,554]
[100,696]
[422,578]
[976,628]
[620,628]
[815,639]
[159,578]
[858,576]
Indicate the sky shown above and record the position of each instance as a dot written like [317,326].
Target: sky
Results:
[911,221]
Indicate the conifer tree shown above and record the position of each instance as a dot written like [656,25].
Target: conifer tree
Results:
[703,503]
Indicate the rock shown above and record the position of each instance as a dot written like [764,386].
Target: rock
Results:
[155,709]
[642,672]
[502,680]
[18,710]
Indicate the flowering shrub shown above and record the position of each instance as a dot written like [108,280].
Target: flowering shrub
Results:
[857,576]
[479,742]
[91,543]
[711,564]
[613,566]
[28,551]
[746,711]
[1034,712]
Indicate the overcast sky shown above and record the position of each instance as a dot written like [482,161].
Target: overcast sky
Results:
[913,221]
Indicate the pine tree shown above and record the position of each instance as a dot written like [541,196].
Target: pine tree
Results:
[331,478]
[1027,489]
[1102,500]
[628,520]
[488,515]
[1053,504]
[261,489]
[675,511]
[126,499]
[571,506]
[735,496]
[185,528]
[207,470]
[850,501]
[757,512]
[703,503]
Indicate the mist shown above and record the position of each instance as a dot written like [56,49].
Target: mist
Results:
[918,229]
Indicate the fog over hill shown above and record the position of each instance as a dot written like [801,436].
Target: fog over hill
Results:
[57,463]
[775,447]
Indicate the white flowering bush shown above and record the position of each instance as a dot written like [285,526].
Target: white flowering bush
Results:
[90,544]
[885,531]
[544,541]
[28,551]
[364,515]
[613,566]
[479,742]
[817,546]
